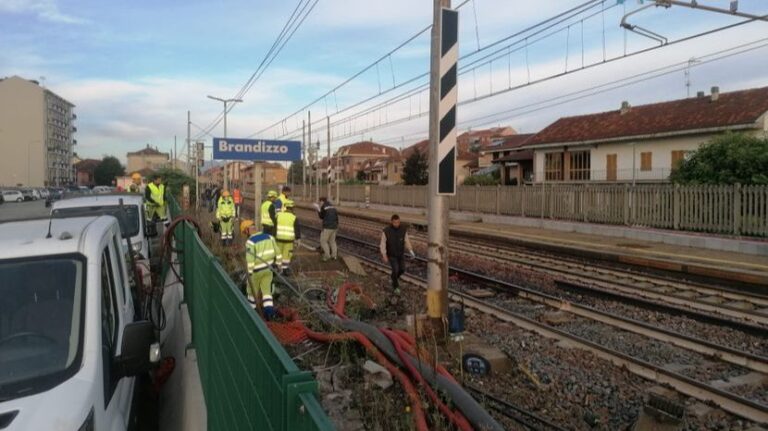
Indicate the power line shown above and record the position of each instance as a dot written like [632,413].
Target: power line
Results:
[559,18]
[299,14]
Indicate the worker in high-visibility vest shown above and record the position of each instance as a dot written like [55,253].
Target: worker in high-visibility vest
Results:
[285,196]
[261,252]
[135,186]
[268,213]
[287,232]
[154,197]
[225,212]
[237,197]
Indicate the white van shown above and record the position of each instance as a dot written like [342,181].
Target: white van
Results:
[130,215]
[69,344]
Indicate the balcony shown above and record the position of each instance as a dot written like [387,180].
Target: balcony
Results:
[74,142]
[74,116]
[74,129]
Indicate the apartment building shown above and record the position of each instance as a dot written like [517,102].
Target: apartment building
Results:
[36,135]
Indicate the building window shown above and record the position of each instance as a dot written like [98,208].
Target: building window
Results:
[677,158]
[646,161]
[580,166]
[553,166]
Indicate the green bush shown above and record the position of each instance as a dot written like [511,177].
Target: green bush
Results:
[726,159]
[481,180]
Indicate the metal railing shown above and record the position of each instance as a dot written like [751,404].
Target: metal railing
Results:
[725,209]
[249,381]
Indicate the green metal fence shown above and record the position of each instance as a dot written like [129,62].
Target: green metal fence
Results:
[248,379]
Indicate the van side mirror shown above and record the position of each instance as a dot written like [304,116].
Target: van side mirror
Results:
[140,351]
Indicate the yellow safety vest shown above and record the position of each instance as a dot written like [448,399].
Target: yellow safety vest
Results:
[283,199]
[265,218]
[157,193]
[285,222]
[260,252]
[225,208]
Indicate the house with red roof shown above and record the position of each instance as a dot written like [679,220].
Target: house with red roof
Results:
[642,143]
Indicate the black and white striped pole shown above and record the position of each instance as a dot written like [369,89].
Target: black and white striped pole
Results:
[442,154]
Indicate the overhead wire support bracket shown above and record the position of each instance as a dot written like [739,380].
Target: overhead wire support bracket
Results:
[732,10]
[644,31]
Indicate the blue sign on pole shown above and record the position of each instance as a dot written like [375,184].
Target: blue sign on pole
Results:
[256,149]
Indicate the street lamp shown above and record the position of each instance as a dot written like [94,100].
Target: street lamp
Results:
[225,102]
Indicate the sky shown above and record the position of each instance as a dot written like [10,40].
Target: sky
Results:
[134,69]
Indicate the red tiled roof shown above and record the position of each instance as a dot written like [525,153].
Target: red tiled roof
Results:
[731,109]
[367,148]
[423,147]
[510,143]
[516,156]
[149,151]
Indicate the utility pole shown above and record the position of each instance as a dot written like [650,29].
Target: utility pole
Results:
[175,154]
[309,143]
[189,145]
[304,159]
[442,180]
[328,171]
[317,172]
[226,162]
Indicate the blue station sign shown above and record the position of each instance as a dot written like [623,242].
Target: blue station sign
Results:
[256,149]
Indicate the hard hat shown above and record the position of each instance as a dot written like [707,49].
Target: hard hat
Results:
[136,176]
[289,204]
[225,193]
[272,194]
[245,225]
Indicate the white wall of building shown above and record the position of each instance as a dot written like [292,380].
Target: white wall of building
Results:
[22,133]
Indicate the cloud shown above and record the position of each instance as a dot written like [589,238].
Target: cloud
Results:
[46,10]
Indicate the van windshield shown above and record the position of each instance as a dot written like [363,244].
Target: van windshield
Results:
[127,215]
[41,319]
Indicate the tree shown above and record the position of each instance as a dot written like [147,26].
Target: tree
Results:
[295,172]
[416,169]
[174,180]
[360,176]
[726,159]
[107,171]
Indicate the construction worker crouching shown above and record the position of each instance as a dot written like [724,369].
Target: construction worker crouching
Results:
[288,231]
[268,213]
[261,252]
[225,212]
[154,196]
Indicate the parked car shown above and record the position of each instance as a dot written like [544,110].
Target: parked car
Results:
[13,196]
[70,347]
[2,200]
[28,195]
[53,196]
[43,193]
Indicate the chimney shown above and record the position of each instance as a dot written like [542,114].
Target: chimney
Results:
[625,107]
[715,93]
[700,94]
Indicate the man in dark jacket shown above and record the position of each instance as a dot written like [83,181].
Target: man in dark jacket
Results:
[330,217]
[394,242]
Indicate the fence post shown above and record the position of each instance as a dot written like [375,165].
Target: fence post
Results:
[367,196]
[477,198]
[676,207]
[498,199]
[736,209]
[523,192]
[626,204]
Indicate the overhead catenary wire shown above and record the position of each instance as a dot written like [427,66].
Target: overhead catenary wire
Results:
[575,10]
[551,77]
[299,14]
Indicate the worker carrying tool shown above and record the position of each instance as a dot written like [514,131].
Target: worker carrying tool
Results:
[135,186]
[288,231]
[155,201]
[285,196]
[261,252]
[237,197]
[225,212]
[393,244]
[268,213]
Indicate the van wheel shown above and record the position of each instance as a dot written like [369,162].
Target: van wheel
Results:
[19,200]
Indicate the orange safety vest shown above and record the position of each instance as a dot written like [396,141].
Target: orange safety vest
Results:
[238,198]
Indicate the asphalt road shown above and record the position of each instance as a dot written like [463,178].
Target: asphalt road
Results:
[23,210]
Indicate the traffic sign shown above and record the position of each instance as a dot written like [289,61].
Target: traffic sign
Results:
[256,149]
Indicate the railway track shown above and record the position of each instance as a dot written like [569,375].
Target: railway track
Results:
[696,384]
[714,300]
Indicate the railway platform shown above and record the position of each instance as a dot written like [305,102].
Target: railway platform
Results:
[631,249]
